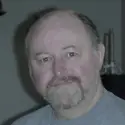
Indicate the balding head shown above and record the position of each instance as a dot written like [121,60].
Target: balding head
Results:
[54,15]
[63,64]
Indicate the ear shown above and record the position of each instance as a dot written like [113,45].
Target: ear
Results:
[100,52]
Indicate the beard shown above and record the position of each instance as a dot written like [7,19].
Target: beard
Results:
[65,93]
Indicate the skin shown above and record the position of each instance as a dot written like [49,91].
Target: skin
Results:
[63,64]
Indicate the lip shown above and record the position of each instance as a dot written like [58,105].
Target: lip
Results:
[63,81]
[59,83]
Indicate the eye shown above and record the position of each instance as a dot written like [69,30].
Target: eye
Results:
[72,54]
[43,59]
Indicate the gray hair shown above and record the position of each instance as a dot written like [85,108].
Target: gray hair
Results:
[90,26]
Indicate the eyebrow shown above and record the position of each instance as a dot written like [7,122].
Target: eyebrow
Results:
[70,46]
[64,48]
[40,53]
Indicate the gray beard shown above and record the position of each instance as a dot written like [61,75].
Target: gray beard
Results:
[65,93]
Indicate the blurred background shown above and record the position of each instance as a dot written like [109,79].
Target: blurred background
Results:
[17,95]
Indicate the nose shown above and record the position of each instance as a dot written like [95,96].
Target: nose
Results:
[59,67]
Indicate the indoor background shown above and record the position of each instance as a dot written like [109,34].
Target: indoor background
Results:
[16,94]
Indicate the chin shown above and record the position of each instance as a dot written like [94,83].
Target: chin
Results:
[64,101]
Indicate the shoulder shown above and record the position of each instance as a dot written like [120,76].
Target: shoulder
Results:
[39,116]
[115,108]
[119,103]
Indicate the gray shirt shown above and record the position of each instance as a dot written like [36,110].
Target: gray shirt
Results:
[109,110]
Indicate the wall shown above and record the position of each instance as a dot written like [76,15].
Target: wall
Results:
[123,34]
[14,97]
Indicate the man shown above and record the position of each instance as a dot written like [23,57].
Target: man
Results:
[65,56]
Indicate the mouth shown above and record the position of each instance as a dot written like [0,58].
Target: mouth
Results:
[58,83]
[63,81]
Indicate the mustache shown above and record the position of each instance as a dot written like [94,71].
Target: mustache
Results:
[64,80]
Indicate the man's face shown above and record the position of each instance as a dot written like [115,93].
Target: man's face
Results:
[63,64]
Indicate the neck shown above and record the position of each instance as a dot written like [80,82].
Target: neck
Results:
[83,107]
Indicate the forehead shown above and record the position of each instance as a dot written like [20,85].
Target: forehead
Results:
[60,30]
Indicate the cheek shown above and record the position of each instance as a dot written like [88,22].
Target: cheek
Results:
[87,72]
[41,78]
[89,66]
[83,67]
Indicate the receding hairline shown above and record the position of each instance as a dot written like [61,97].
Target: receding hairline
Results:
[72,13]
[48,16]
